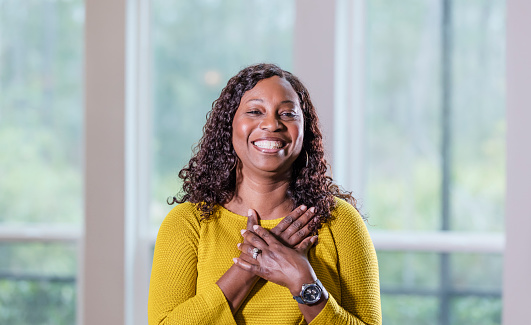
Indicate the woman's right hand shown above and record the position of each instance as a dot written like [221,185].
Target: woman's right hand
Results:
[293,229]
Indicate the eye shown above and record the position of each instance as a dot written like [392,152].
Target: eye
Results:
[254,111]
[289,114]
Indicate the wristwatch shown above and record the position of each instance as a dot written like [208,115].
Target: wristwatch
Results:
[310,293]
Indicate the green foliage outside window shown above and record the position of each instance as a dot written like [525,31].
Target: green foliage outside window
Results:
[41,65]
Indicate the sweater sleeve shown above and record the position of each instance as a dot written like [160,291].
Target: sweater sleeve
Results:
[358,273]
[172,291]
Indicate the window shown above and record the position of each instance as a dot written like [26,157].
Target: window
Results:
[431,168]
[41,44]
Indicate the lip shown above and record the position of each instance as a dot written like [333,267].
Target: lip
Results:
[270,150]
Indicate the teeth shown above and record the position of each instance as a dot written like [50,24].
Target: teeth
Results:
[268,144]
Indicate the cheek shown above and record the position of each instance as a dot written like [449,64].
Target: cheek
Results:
[240,133]
[299,134]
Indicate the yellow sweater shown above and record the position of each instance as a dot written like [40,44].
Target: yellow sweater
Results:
[191,255]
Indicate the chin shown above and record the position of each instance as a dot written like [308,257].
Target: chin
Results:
[280,169]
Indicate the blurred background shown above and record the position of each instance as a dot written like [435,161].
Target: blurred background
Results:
[417,132]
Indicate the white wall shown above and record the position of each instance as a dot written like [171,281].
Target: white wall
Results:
[517,259]
[313,53]
[102,285]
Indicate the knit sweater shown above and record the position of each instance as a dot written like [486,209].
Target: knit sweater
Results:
[192,254]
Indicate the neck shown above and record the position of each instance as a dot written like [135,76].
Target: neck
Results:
[268,196]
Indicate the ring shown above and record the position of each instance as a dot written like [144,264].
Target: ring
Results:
[256,251]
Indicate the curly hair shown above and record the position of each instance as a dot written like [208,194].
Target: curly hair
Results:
[209,178]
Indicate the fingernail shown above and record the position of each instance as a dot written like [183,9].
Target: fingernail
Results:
[312,209]
[250,212]
[243,231]
[303,207]
[234,260]
[238,244]
[255,227]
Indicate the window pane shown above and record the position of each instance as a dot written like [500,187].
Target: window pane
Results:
[420,271]
[456,288]
[412,310]
[476,311]
[435,116]
[403,114]
[44,259]
[197,47]
[37,283]
[402,271]
[41,46]
[478,115]
[41,111]
[478,272]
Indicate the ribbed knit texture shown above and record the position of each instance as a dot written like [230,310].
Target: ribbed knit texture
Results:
[191,255]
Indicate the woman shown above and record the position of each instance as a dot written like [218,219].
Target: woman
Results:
[241,247]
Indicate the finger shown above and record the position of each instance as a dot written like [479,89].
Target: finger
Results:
[264,235]
[256,269]
[246,248]
[249,259]
[243,264]
[246,254]
[296,227]
[288,220]
[301,234]
[252,219]
[254,239]
[306,244]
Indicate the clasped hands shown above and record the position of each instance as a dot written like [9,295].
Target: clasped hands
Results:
[283,259]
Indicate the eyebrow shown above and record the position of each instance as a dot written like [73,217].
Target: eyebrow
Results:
[255,100]
[261,101]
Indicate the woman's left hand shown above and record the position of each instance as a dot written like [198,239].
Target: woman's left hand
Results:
[277,263]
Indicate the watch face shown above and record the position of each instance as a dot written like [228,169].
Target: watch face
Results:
[312,293]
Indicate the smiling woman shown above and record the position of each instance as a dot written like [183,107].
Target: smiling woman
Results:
[241,248]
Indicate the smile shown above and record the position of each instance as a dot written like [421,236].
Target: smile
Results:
[266,144]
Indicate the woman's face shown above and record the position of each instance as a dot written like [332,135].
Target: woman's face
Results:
[268,127]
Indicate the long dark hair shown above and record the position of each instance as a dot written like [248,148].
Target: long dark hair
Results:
[209,178]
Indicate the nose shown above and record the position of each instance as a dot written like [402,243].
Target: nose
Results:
[271,123]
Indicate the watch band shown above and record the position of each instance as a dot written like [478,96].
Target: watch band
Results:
[299,300]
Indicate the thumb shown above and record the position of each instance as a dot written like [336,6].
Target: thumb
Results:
[306,244]
[252,219]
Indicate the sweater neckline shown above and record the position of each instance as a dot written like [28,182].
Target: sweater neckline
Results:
[264,223]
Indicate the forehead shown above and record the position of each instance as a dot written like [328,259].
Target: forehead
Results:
[274,88]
